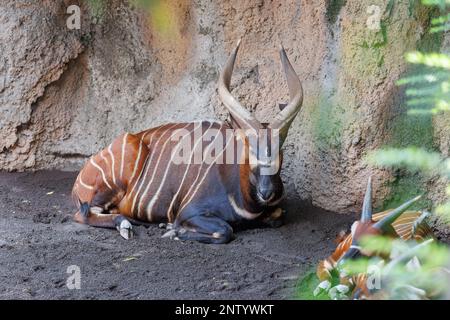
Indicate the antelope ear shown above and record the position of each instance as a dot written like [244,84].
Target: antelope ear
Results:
[282,106]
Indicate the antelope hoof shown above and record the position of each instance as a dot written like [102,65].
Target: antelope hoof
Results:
[125,229]
[172,234]
[167,226]
[275,219]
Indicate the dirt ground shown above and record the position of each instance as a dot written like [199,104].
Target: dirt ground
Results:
[39,240]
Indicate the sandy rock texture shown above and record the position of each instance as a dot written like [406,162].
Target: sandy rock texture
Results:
[64,94]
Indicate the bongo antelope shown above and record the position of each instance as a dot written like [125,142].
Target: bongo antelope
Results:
[136,180]
[398,223]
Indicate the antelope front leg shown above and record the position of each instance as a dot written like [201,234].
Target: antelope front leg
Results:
[94,217]
[275,218]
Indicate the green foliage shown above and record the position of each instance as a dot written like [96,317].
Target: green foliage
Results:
[306,287]
[381,245]
[442,4]
[440,24]
[396,269]
[406,270]
[415,271]
[429,90]
[414,159]
[428,93]
[437,60]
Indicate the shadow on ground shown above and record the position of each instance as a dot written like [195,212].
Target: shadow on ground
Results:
[39,240]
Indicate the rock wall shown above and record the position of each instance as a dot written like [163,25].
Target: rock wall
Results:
[64,94]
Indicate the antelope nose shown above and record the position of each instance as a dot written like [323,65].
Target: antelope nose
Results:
[266,193]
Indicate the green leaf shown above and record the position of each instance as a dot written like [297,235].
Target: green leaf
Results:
[306,287]
[412,158]
[437,60]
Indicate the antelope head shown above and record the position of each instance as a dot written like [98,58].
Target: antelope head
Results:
[367,226]
[263,140]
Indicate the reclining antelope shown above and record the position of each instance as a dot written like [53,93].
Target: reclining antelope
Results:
[136,180]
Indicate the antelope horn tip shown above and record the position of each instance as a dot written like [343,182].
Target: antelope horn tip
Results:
[366,214]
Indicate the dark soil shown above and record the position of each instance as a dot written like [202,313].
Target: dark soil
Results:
[39,240]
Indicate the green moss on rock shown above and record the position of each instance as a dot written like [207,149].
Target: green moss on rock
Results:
[328,124]
[406,131]
[333,9]
[97,9]
[404,187]
[429,42]
[412,130]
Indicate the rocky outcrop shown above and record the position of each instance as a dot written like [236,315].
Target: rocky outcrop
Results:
[64,94]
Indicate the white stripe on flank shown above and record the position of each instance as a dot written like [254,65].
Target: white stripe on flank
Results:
[155,170]
[136,162]
[102,172]
[105,159]
[151,137]
[112,165]
[187,170]
[85,184]
[162,182]
[242,212]
[205,174]
[143,166]
[148,163]
[122,161]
